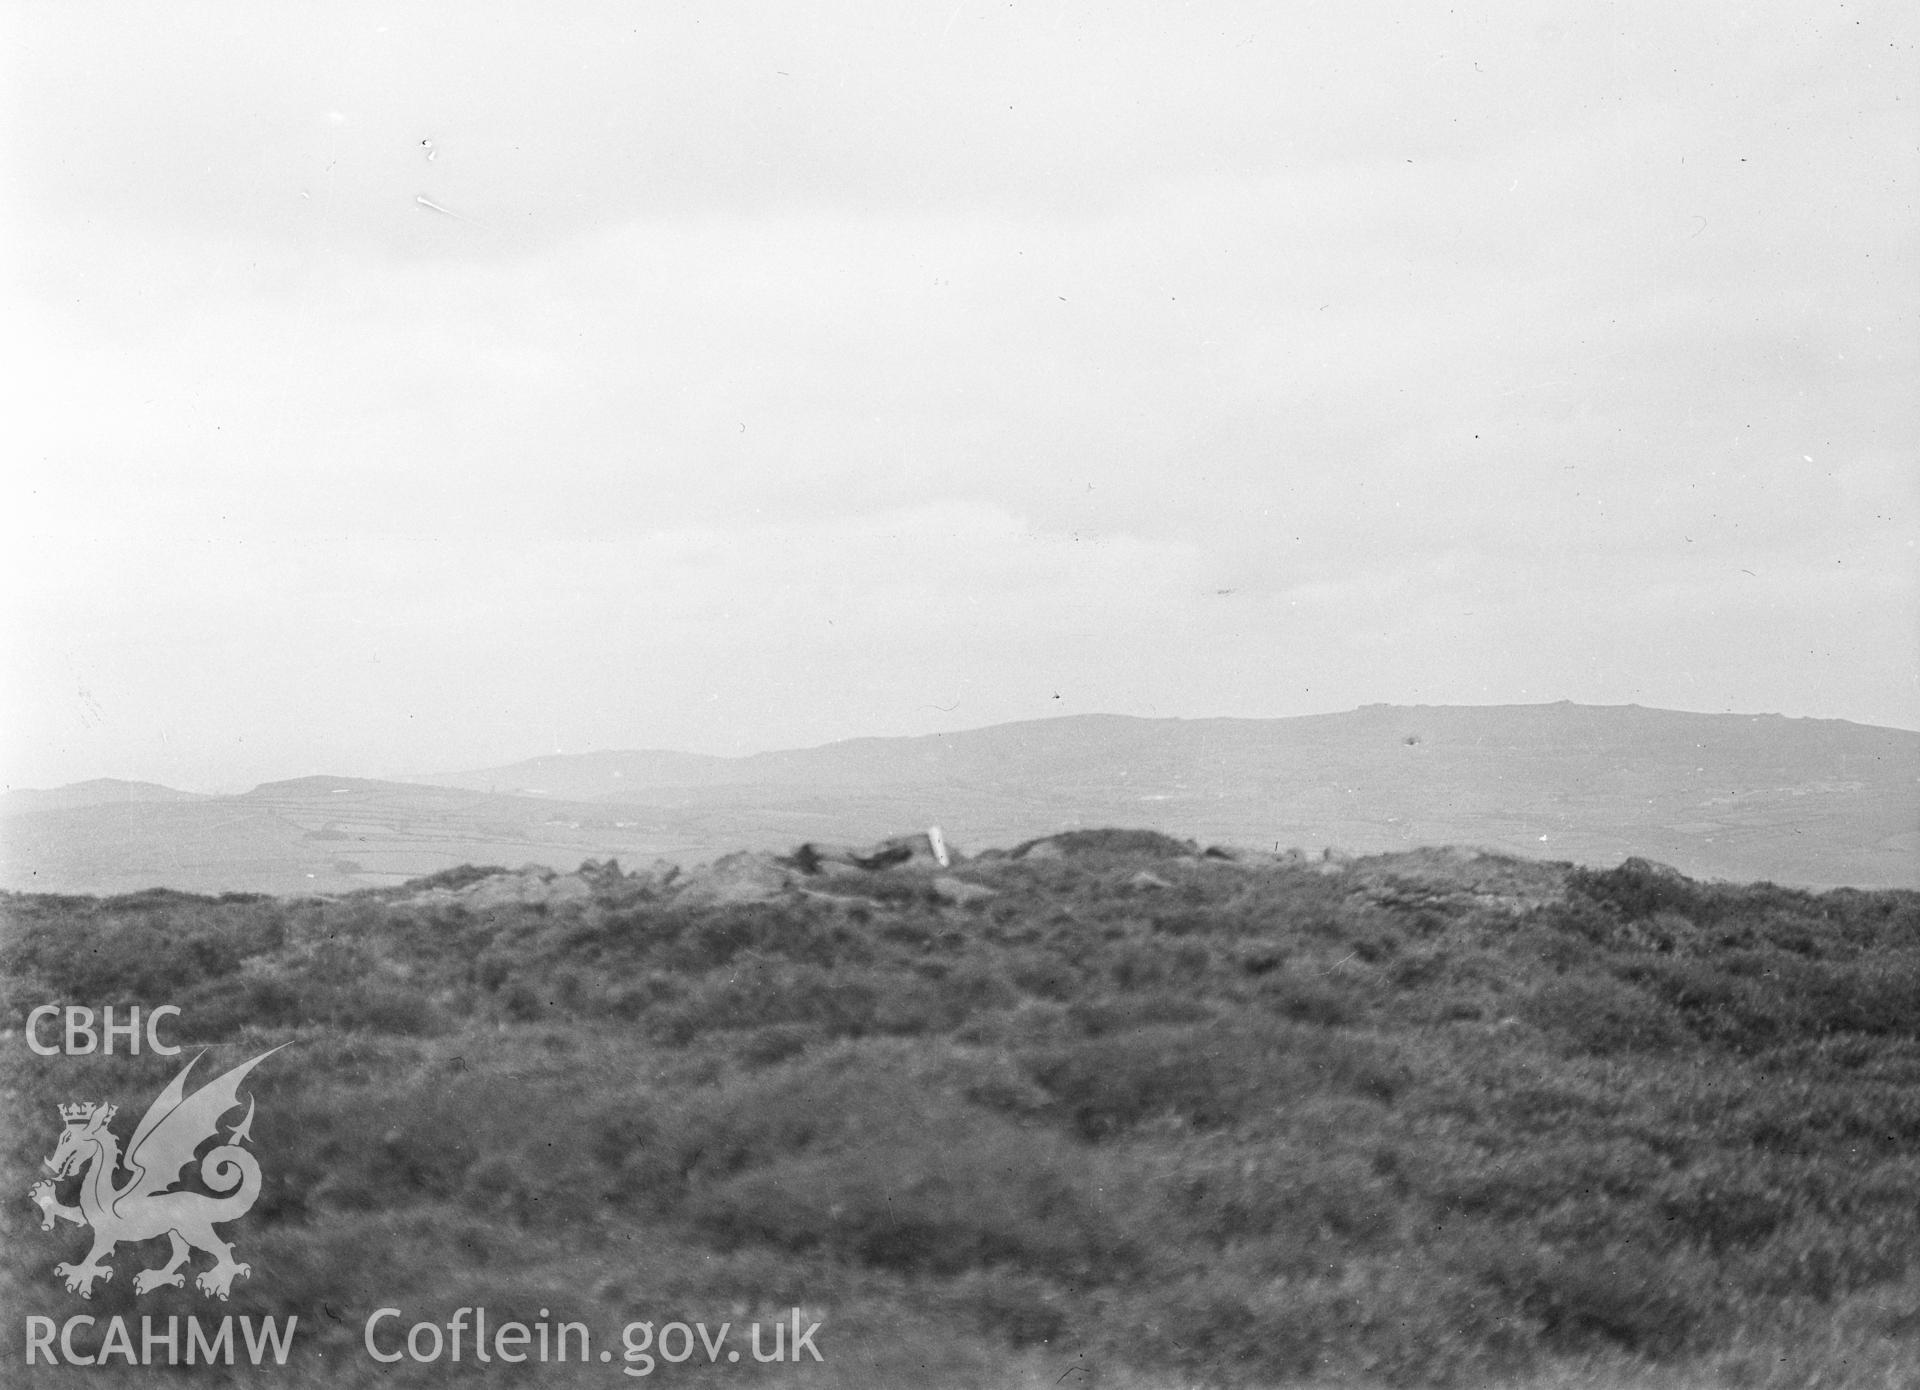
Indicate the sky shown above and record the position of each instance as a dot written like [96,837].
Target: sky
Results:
[401,387]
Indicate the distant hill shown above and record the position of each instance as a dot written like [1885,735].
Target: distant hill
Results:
[101,791]
[1810,802]
[596,776]
[1819,802]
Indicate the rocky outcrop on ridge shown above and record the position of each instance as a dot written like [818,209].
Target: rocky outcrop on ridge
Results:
[1447,879]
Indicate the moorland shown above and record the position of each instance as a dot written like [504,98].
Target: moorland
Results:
[1112,1111]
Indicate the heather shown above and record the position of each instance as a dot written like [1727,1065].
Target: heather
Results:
[1131,1112]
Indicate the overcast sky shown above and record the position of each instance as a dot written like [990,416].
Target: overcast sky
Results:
[411,387]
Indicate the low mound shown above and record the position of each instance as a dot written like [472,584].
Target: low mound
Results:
[1080,844]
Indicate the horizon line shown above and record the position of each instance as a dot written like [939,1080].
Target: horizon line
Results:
[415,778]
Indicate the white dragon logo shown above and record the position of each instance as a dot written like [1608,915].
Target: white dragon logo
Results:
[163,1143]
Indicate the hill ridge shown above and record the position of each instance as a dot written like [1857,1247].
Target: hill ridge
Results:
[1818,803]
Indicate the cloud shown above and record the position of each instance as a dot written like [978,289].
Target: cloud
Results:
[382,654]
[1462,350]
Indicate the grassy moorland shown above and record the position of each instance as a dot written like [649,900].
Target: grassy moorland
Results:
[1137,1119]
